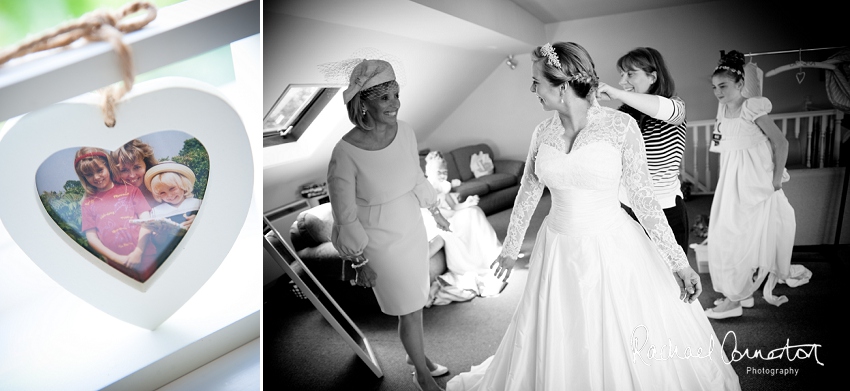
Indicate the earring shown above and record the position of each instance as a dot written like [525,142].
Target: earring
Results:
[363,111]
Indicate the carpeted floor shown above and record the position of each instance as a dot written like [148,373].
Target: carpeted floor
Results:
[301,351]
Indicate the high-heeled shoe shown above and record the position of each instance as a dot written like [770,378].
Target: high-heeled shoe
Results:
[416,383]
[438,371]
[418,387]
[746,303]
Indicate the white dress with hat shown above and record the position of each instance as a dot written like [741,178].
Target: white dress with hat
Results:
[376,198]
[601,308]
[751,227]
[471,247]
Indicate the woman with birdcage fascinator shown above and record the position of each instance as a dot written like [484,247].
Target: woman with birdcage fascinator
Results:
[605,294]
[751,235]
[376,191]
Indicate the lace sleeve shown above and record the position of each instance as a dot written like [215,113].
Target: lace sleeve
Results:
[530,191]
[641,196]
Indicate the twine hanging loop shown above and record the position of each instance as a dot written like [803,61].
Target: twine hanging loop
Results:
[98,25]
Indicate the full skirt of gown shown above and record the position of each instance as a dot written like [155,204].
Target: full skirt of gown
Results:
[601,311]
[752,227]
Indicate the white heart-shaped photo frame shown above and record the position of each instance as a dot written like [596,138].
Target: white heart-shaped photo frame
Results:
[131,206]
[165,104]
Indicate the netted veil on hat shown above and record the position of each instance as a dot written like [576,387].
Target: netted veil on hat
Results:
[368,68]
[367,74]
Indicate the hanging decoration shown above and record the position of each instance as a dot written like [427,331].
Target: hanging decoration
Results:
[800,64]
[98,25]
[133,239]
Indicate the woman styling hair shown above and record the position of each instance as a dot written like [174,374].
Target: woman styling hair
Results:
[648,95]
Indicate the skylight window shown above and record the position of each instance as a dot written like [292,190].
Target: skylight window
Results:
[293,112]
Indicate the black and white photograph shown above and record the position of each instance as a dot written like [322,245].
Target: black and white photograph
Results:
[454,195]
[555,195]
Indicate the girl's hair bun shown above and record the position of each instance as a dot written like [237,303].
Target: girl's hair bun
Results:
[734,59]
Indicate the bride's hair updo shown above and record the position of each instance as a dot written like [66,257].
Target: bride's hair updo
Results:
[568,62]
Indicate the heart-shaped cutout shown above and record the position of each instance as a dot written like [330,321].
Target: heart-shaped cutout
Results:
[800,76]
[152,109]
[130,207]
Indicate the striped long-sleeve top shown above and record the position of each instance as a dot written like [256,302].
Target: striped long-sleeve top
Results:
[664,136]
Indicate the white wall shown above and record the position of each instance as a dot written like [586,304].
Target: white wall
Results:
[503,112]
[690,39]
[815,195]
[502,16]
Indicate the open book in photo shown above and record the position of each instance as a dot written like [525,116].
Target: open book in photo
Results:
[180,216]
[162,225]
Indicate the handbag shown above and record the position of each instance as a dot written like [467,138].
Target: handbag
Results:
[481,164]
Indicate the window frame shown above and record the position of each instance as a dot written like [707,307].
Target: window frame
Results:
[300,121]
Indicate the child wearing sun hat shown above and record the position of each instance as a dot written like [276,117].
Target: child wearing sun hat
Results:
[171,184]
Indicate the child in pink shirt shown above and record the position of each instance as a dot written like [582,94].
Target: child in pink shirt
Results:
[107,209]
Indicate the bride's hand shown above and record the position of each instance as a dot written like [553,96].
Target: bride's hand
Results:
[690,286]
[506,264]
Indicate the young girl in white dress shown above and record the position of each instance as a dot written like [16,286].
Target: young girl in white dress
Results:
[751,227]
[601,308]
[472,245]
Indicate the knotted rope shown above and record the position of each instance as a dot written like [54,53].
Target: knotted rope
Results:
[98,25]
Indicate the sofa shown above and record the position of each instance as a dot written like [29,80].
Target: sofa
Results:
[310,235]
[496,191]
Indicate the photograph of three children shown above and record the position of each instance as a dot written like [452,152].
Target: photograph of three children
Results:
[130,206]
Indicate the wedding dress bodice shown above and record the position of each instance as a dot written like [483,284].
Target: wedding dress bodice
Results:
[585,182]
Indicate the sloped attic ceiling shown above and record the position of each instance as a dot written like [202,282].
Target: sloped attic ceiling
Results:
[445,55]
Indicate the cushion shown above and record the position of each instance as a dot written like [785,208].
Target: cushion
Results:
[498,181]
[315,225]
[452,166]
[462,157]
[513,167]
[475,186]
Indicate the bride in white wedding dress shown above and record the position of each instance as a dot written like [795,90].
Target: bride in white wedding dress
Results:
[601,309]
